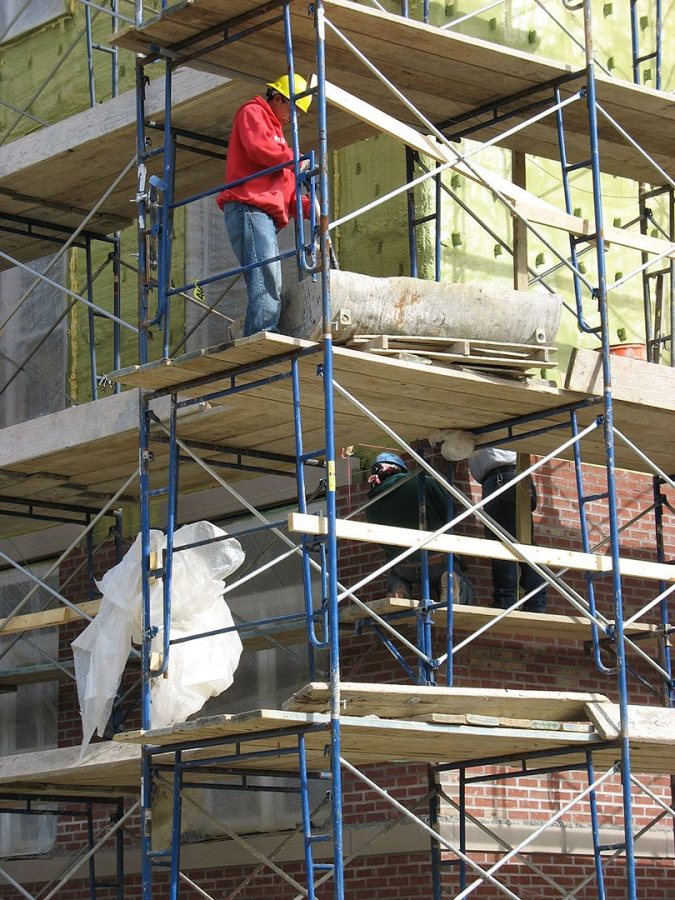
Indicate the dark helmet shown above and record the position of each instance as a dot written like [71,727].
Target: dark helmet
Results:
[391,458]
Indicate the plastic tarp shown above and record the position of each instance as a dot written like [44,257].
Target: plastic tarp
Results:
[197,669]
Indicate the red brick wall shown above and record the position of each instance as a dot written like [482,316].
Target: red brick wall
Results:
[487,663]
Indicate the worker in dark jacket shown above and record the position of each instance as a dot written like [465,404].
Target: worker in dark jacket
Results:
[396,493]
[260,207]
[492,467]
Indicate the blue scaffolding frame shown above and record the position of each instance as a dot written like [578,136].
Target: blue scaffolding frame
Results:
[159,196]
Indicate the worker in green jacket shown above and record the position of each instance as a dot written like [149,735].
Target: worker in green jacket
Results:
[396,495]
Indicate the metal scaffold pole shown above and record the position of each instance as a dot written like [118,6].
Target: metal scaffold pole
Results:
[331,488]
[608,425]
[144,478]
[146,715]
[141,212]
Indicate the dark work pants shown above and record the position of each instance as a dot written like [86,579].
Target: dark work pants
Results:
[505,574]
[403,577]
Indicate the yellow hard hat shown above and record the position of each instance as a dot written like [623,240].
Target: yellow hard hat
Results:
[299,86]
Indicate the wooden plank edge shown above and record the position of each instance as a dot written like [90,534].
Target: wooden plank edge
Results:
[302,523]
[63,615]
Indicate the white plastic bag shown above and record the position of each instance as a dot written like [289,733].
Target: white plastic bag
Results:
[455,445]
[197,669]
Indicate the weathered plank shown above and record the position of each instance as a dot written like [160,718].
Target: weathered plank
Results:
[402,701]
[103,764]
[516,624]
[70,454]
[69,430]
[365,740]
[61,615]
[646,724]
[58,173]
[633,380]
[221,726]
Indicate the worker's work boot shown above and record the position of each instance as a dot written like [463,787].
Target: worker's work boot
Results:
[399,587]
[462,590]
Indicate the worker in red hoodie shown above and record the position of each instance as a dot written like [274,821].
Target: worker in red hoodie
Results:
[260,207]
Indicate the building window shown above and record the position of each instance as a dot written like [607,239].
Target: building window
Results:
[28,712]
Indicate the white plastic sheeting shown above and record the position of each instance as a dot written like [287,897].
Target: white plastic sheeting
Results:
[197,669]
[455,445]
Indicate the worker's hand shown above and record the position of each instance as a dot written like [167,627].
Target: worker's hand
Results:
[304,165]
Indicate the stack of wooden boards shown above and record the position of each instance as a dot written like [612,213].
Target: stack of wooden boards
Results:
[494,357]
[490,708]
[479,720]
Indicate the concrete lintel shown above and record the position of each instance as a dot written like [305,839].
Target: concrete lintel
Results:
[657,844]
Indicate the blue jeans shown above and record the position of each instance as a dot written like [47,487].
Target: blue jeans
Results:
[253,236]
[505,574]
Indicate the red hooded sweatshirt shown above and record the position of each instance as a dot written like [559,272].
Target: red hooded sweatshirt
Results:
[257,142]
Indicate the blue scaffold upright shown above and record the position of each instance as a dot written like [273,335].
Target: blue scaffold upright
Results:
[156,208]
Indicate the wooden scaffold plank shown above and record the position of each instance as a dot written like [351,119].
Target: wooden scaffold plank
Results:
[467,546]
[398,701]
